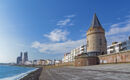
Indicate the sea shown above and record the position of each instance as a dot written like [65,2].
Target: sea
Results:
[8,72]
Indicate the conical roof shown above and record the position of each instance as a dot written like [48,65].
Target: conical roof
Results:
[95,21]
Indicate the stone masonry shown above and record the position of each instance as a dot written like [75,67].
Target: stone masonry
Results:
[121,57]
[96,41]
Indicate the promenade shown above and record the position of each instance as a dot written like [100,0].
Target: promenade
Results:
[97,72]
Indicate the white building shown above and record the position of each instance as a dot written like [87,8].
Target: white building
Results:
[49,62]
[69,57]
[38,62]
[34,62]
[28,63]
[114,48]
[58,61]
[77,51]
[66,57]
[118,46]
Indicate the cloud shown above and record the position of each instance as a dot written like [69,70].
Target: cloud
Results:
[70,16]
[121,27]
[63,22]
[115,25]
[57,35]
[57,48]
[118,32]
[67,21]
[116,38]
[36,44]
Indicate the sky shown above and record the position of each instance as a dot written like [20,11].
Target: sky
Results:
[47,29]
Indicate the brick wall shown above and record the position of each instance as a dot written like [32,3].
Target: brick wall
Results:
[86,61]
[121,57]
[65,64]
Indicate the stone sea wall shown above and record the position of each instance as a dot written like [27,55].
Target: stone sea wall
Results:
[121,57]
[86,61]
[33,75]
[65,64]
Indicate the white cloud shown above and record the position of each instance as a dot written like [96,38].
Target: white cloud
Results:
[56,48]
[118,32]
[115,25]
[57,35]
[63,22]
[67,21]
[36,44]
[116,38]
[118,28]
[70,16]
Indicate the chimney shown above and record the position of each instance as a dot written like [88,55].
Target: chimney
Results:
[129,37]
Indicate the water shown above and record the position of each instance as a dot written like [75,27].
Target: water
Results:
[14,72]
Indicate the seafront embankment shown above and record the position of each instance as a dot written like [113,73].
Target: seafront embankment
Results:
[97,72]
[33,75]
[67,71]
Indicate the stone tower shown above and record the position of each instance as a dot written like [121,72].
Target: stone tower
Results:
[96,41]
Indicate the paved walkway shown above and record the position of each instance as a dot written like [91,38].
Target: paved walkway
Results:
[99,72]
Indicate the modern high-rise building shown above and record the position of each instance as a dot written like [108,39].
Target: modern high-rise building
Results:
[21,55]
[22,58]
[19,59]
[25,58]
[96,40]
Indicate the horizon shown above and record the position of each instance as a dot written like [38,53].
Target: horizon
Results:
[48,29]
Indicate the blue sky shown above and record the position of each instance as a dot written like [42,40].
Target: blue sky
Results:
[49,28]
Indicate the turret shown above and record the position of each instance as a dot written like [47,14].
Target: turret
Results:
[96,40]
